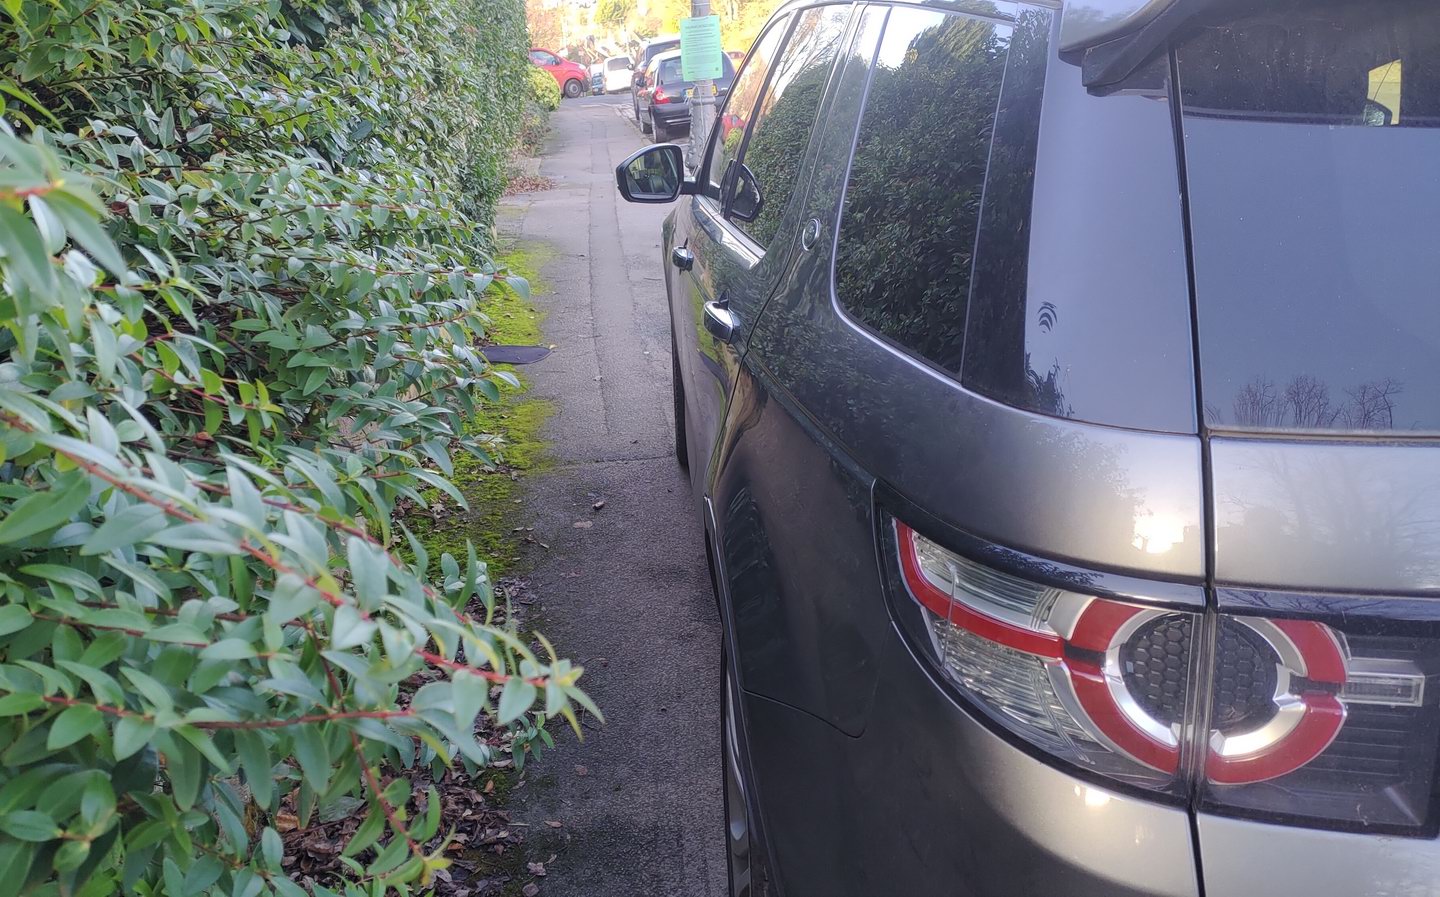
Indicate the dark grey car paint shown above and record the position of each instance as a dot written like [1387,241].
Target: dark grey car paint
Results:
[1338,516]
[871,779]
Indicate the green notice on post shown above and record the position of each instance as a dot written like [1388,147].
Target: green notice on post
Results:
[700,48]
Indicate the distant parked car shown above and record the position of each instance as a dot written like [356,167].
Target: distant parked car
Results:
[665,99]
[648,51]
[616,73]
[597,78]
[571,76]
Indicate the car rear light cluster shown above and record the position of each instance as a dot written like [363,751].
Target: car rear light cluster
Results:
[1291,719]
[660,96]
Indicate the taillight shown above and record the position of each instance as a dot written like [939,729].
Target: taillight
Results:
[1275,717]
[660,96]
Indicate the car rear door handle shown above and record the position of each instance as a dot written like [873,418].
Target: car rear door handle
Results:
[720,321]
[682,258]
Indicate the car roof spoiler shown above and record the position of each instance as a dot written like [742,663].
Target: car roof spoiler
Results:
[1112,38]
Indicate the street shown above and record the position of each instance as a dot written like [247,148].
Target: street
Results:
[622,590]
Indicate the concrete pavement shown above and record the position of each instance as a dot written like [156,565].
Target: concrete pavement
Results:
[623,590]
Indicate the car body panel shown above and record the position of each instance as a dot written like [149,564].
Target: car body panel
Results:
[1325,514]
[1086,23]
[828,681]
[1244,858]
[724,267]
[948,808]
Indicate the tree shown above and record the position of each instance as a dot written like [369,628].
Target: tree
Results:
[614,13]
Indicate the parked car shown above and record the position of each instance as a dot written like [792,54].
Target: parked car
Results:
[665,98]
[1059,395]
[648,51]
[617,73]
[597,78]
[572,77]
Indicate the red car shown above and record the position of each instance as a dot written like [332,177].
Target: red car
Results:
[571,76]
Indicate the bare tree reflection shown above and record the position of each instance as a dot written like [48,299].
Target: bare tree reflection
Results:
[1305,404]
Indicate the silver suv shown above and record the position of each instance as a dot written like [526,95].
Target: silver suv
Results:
[1060,388]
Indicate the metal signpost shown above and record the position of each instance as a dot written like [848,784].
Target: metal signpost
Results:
[700,62]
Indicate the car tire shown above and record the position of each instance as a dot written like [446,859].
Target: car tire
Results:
[744,865]
[662,133]
[646,125]
[677,397]
[635,104]
[573,88]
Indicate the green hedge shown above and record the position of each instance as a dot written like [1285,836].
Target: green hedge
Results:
[243,272]
[544,89]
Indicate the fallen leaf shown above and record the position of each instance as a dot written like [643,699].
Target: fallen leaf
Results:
[580,770]
[286,822]
[553,824]
[536,869]
[582,524]
[530,890]
[599,504]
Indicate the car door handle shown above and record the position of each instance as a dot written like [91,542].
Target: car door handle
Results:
[720,321]
[682,258]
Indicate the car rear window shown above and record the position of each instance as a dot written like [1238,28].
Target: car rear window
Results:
[669,70]
[1313,166]
[616,65]
[654,50]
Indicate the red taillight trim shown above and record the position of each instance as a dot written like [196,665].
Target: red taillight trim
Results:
[1093,693]
[1099,622]
[1320,722]
[1096,631]
[1323,719]
[659,95]
[1324,661]
[1041,644]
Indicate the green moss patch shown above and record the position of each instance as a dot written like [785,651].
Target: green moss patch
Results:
[510,432]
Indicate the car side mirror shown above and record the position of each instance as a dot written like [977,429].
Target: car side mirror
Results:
[654,174]
[745,199]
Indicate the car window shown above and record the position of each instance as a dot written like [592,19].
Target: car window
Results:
[782,122]
[616,65]
[1312,149]
[735,114]
[540,57]
[670,70]
[1080,301]
[656,49]
[912,202]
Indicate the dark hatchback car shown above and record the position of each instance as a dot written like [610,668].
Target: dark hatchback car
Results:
[1060,388]
[648,51]
[665,98]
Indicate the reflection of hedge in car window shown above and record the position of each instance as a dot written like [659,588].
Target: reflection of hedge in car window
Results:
[778,145]
[912,205]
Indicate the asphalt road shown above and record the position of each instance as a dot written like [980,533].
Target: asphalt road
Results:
[623,590]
